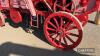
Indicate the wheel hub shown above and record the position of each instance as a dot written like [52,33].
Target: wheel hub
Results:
[61,32]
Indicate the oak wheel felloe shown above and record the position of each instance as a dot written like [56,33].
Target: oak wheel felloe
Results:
[63,30]
[64,5]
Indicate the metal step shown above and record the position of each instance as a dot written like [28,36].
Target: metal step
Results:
[35,23]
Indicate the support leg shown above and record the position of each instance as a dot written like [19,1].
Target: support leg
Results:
[97,18]
[2,17]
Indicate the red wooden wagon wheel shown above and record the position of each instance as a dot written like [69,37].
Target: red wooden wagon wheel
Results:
[15,16]
[63,30]
[64,5]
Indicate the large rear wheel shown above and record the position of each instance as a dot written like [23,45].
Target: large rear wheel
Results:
[63,30]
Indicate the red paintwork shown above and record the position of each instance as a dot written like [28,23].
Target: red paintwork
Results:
[58,17]
[15,16]
[83,18]
[58,29]
[92,5]
[84,2]
[1,22]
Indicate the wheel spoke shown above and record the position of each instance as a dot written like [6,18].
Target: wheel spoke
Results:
[61,22]
[69,39]
[67,24]
[56,22]
[51,29]
[68,10]
[59,6]
[68,4]
[65,41]
[52,34]
[55,37]
[72,34]
[60,38]
[72,27]
[64,2]
[52,25]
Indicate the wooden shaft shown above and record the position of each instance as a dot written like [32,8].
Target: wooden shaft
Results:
[97,18]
